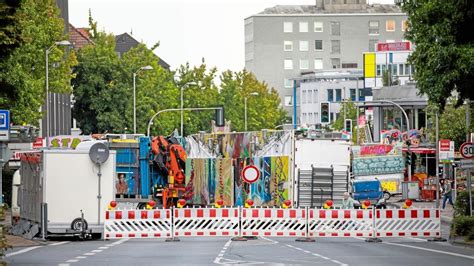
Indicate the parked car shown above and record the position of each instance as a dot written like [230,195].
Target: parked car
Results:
[368,190]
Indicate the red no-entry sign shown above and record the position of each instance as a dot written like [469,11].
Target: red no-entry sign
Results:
[250,174]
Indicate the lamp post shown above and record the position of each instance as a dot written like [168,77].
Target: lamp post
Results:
[135,97]
[182,104]
[61,43]
[245,108]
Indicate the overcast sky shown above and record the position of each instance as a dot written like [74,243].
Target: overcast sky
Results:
[188,30]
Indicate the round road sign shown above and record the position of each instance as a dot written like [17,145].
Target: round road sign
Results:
[250,174]
[467,150]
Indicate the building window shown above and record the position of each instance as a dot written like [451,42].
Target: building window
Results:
[338,95]
[400,70]
[287,26]
[336,62]
[353,94]
[288,46]
[361,95]
[318,63]
[390,25]
[330,95]
[349,65]
[288,64]
[288,83]
[335,28]
[303,26]
[404,25]
[288,100]
[407,70]
[379,70]
[303,46]
[394,69]
[318,26]
[335,47]
[373,27]
[372,44]
[318,45]
[304,64]
[331,117]
[303,97]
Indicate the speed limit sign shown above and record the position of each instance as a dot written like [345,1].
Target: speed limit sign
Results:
[467,150]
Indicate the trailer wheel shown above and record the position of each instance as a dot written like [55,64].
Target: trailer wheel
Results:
[77,224]
[141,206]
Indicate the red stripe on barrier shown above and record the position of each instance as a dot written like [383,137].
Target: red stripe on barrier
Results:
[212,233]
[334,214]
[437,213]
[187,233]
[311,234]
[414,233]
[347,234]
[311,214]
[370,215]
[107,235]
[236,233]
[280,213]
[359,234]
[244,213]
[414,214]
[389,234]
[144,235]
[118,215]
[389,214]
[347,214]
[401,213]
[292,213]
[200,233]
[268,213]
[157,235]
[437,233]
[255,233]
[131,235]
[279,233]
[106,215]
[168,213]
[131,214]
[200,213]
[187,213]
[144,214]
[176,213]
[244,233]
[118,235]
[378,234]
[176,234]
[212,213]
[156,214]
[426,214]
[334,234]
[360,214]
[225,213]
[303,212]
[236,213]
[426,233]
[292,234]
[225,233]
[377,214]
[255,213]
[401,234]
[268,233]
[322,234]
[322,214]
[168,234]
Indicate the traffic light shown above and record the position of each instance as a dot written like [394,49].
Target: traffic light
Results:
[325,112]
[348,125]
[220,121]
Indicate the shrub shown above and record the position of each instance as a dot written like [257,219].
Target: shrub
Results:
[461,206]
[464,226]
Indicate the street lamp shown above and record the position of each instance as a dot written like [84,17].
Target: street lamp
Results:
[182,103]
[134,95]
[245,107]
[61,43]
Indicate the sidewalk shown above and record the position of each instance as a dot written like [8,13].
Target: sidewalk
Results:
[16,241]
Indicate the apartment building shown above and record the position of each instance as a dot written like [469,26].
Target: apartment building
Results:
[282,42]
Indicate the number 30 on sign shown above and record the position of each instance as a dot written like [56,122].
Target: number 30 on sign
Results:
[467,150]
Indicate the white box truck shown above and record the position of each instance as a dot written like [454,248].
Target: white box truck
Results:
[58,187]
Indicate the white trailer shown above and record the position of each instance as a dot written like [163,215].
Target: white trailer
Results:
[57,186]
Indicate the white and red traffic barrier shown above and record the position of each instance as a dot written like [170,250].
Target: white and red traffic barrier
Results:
[408,222]
[340,223]
[206,222]
[273,222]
[137,224]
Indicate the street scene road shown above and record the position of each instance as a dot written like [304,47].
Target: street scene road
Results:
[274,251]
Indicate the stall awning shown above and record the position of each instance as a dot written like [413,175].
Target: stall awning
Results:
[419,150]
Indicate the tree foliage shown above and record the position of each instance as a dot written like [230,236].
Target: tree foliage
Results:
[444,54]
[22,78]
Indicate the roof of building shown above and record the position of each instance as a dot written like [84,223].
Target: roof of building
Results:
[124,42]
[313,9]
[403,92]
[79,37]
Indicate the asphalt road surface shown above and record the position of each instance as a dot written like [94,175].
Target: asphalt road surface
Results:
[279,251]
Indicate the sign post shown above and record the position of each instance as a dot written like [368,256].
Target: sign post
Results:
[4,151]
[467,152]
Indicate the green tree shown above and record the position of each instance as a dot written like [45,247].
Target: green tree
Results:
[263,110]
[22,78]
[444,54]
[349,112]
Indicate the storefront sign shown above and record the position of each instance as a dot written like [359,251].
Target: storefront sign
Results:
[446,151]
[393,46]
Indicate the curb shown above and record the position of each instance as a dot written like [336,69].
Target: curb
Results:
[462,243]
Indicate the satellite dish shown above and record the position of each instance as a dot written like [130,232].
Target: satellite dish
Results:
[99,153]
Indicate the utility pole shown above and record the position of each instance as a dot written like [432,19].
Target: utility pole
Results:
[468,139]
